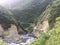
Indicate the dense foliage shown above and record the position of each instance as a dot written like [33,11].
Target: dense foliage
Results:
[3,43]
[6,18]
[55,12]
[29,16]
[52,36]
[26,18]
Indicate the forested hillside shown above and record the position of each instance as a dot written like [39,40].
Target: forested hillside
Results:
[6,18]
[25,14]
[34,20]
[52,36]
[28,16]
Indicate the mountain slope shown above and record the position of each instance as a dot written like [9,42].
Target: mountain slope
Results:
[28,16]
[6,17]
[52,36]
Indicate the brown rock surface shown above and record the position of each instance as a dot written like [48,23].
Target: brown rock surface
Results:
[1,30]
[9,35]
[43,24]
[12,33]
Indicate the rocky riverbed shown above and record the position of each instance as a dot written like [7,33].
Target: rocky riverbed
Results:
[12,37]
[25,40]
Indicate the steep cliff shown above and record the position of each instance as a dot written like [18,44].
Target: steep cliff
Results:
[11,34]
[43,22]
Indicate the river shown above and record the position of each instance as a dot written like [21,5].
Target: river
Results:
[27,39]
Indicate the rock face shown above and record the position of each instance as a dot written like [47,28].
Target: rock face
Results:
[11,34]
[42,28]
[43,25]
[1,31]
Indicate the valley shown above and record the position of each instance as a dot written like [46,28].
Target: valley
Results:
[34,22]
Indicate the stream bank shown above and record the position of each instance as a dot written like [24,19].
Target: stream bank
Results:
[26,39]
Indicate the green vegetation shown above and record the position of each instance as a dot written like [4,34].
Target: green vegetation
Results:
[52,36]
[3,43]
[26,18]
[6,18]
[29,16]
[55,12]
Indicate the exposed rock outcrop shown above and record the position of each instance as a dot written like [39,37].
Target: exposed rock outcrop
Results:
[42,28]
[11,34]
[1,30]
[43,24]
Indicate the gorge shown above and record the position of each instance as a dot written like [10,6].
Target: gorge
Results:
[34,22]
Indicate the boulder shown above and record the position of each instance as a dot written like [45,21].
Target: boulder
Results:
[12,34]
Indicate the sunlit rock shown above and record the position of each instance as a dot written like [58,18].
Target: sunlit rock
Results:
[1,30]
